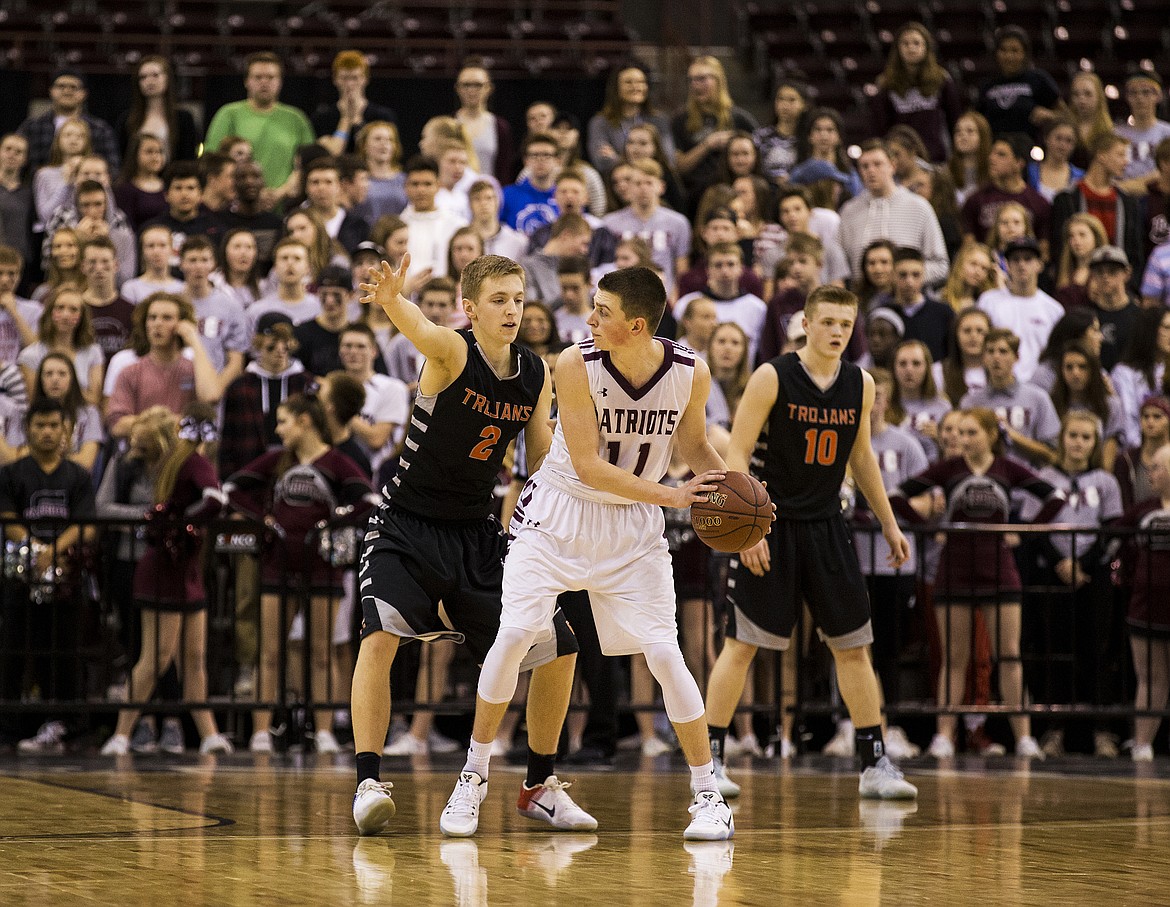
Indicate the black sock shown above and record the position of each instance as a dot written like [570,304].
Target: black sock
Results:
[718,738]
[369,765]
[870,747]
[539,768]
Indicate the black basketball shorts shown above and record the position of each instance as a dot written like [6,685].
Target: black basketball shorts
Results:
[428,580]
[813,562]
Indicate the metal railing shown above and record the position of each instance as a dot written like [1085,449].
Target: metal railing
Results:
[70,631]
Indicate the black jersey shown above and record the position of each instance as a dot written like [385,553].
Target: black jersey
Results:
[810,434]
[458,437]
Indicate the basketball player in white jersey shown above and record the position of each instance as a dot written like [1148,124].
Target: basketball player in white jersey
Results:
[591,518]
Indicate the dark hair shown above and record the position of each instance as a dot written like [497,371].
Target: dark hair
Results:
[1073,325]
[954,380]
[139,342]
[438,285]
[183,170]
[302,405]
[1016,33]
[350,165]
[347,396]
[1020,144]
[129,168]
[1096,396]
[196,243]
[213,162]
[360,327]
[908,253]
[324,162]
[612,109]
[419,163]
[88,187]
[539,138]
[74,400]
[252,281]
[1141,353]
[574,264]
[930,76]
[44,406]
[862,286]
[137,115]
[842,162]
[569,223]
[641,291]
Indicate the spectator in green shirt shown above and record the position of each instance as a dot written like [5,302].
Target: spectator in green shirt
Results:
[274,129]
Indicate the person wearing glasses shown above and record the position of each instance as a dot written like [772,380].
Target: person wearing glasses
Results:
[67,94]
[1143,93]
[490,135]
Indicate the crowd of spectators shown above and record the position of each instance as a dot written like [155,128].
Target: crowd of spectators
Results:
[1011,257]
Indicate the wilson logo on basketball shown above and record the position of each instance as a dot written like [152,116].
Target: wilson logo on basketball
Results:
[719,500]
[707,522]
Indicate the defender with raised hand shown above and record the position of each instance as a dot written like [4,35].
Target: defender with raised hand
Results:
[434,538]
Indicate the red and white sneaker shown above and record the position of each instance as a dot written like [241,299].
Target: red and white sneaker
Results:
[550,802]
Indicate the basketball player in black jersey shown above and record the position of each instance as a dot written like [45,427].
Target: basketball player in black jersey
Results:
[814,410]
[434,539]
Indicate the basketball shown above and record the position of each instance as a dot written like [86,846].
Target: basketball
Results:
[735,515]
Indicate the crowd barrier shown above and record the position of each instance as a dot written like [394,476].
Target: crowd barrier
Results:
[70,631]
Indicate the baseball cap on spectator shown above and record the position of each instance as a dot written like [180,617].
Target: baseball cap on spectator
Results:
[335,276]
[1147,75]
[890,317]
[69,72]
[370,248]
[1109,255]
[1158,402]
[1021,244]
[269,320]
[813,171]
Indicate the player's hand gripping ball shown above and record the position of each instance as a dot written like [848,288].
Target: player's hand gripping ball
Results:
[735,515]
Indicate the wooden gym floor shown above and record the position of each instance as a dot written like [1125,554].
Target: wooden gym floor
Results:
[277,830]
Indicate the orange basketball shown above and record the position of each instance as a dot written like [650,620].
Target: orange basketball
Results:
[735,515]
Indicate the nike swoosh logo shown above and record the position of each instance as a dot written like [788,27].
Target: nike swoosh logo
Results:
[539,805]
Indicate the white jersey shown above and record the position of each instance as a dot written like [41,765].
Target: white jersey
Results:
[636,426]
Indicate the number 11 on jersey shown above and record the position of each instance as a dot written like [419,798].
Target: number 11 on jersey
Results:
[615,452]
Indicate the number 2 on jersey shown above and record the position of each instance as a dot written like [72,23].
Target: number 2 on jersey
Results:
[822,449]
[615,452]
[483,450]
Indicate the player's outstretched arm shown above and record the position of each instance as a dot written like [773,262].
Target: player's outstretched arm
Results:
[579,423]
[437,343]
[868,478]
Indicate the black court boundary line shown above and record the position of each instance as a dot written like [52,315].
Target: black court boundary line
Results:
[217,821]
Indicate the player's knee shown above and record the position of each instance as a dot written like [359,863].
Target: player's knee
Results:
[662,659]
[513,639]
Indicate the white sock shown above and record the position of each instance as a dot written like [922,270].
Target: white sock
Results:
[703,778]
[479,757]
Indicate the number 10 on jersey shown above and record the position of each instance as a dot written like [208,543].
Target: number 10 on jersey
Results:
[820,447]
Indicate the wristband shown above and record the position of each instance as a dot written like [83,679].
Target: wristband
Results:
[341,133]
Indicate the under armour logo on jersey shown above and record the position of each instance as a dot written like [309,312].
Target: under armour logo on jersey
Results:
[604,391]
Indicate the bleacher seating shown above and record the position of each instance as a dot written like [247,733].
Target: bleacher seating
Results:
[563,36]
[832,40]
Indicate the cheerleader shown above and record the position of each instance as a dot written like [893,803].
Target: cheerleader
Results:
[293,490]
[168,580]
